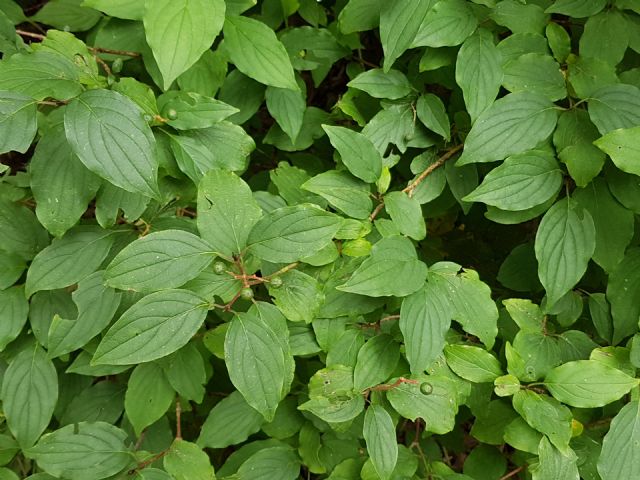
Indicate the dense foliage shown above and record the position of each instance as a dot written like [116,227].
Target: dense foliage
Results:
[350,239]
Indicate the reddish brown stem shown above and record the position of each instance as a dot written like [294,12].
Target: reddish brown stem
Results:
[390,386]
[39,36]
[429,170]
[178,420]
[512,473]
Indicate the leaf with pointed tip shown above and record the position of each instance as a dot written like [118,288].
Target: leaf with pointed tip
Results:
[357,152]
[380,436]
[400,21]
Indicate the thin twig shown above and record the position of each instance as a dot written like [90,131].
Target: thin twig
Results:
[178,420]
[429,170]
[39,36]
[282,271]
[103,64]
[377,210]
[512,473]
[390,386]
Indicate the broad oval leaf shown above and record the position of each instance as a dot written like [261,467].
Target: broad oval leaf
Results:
[565,241]
[255,50]
[472,363]
[392,84]
[108,134]
[380,435]
[180,31]
[29,394]
[406,213]
[622,290]
[400,21]
[588,383]
[18,124]
[514,124]
[187,461]
[344,192]
[623,146]
[14,309]
[377,359]
[154,327]
[448,23]
[166,259]
[149,395]
[358,153]
[619,455]
[82,450]
[615,106]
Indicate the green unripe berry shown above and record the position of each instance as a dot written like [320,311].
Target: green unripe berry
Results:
[275,282]
[246,293]
[219,267]
[116,66]
[172,114]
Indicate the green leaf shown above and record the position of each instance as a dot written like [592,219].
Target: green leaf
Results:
[546,415]
[377,360]
[432,113]
[380,436]
[96,304]
[559,41]
[166,259]
[406,213]
[288,234]
[11,268]
[344,192]
[623,146]
[400,21]
[20,233]
[521,182]
[535,73]
[170,28]
[425,318]
[392,269]
[287,107]
[472,363]
[448,23]
[613,223]
[67,15]
[479,72]
[18,123]
[149,395]
[103,401]
[61,184]
[29,395]
[622,289]
[14,309]
[299,297]
[276,463]
[96,450]
[610,46]
[258,358]
[256,51]
[154,327]
[230,422]
[391,84]
[614,107]
[565,241]
[514,124]
[40,75]
[431,398]
[69,259]
[552,463]
[186,461]
[618,458]
[358,153]
[360,15]
[192,110]
[118,8]
[577,8]
[588,383]
[108,134]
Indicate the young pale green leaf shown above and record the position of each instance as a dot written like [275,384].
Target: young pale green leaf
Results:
[622,290]
[29,394]
[287,107]
[192,110]
[377,360]
[96,304]
[152,328]
[258,358]
[432,113]
[288,234]
[615,106]
[431,398]
[61,184]
[187,461]
[392,269]
[472,363]
[535,73]
[343,191]
[619,456]
[521,182]
[14,309]
[613,223]
[588,383]
[82,450]
[546,415]
[577,8]
[514,124]
[179,32]
[565,241]
[108,134]
[392,84]
[406,213]
[166,259]
[623,146]
[479,72]
[256,51]
[400,21]
[357,152]
[231,421]
[448,23]
[425,318]
[18,123]
[380,436]
[149,395]
[69,259]
[552,463]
